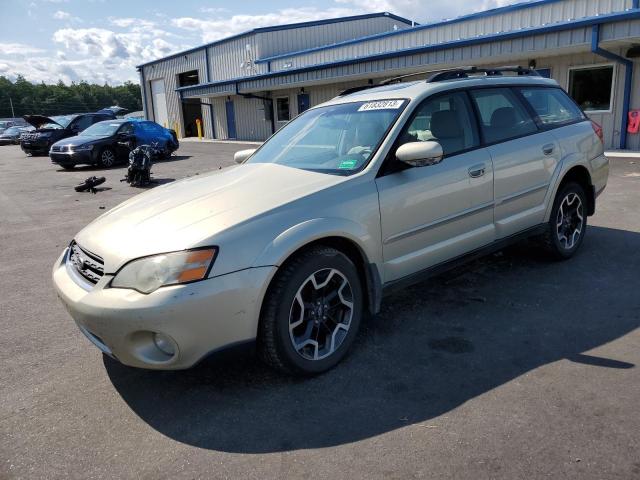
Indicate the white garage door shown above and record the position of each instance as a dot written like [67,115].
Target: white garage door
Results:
[159,102]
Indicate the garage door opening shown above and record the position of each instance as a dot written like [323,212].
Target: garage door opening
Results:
[191,108]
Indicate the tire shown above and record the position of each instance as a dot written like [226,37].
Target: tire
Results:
[107,157]
[68,167]
[335,325]
[566,230]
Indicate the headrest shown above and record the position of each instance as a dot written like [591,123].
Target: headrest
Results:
[503,117]
[444,124]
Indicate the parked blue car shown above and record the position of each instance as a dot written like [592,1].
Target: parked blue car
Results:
[109,142]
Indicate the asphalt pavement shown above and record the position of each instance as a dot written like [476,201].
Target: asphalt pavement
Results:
[510,367]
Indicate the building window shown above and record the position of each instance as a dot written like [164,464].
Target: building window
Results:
[282,109]
[592,87]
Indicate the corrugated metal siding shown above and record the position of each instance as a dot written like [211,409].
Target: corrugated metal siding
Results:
[250,119]
[282,41]
[220,118]
[514,20]
[169,71]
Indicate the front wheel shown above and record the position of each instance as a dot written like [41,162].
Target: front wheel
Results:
[568,222]
[312,312]
[107,158]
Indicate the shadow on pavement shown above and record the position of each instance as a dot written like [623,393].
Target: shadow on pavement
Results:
[433,347]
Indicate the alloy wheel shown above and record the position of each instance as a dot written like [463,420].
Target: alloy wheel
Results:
[320,314]
[107,158]
[569,221]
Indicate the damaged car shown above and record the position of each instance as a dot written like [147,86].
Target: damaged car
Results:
[48,130]
[109,142]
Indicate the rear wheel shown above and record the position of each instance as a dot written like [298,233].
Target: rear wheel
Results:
[312,312]
[568,223]
[107,158]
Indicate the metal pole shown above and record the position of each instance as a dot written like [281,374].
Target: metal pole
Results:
[13,114]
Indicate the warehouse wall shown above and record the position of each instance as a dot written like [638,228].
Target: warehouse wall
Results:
[169,71]
[535,15]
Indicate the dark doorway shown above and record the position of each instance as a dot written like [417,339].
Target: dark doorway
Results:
[191,111]
[191,108]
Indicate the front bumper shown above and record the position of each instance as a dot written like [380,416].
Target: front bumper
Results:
[198,318]
[84,157]
[35,146]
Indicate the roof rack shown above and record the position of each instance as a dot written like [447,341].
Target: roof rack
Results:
[448,74]
[465,72]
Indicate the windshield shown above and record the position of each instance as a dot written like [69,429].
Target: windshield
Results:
[337,139]
[4,124]
[101,129]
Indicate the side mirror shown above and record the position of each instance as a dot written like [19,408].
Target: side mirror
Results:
[242,155]
[420,154]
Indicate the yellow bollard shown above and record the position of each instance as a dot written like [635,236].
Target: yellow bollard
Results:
[175,129]
[199,125]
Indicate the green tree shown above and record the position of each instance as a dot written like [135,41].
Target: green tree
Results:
[42,99]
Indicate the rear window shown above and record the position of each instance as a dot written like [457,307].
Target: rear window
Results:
[552,105]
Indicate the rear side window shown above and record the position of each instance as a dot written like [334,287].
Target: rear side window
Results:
[552,105]
[502,116]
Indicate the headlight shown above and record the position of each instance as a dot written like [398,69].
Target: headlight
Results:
[150,273]
[81,148]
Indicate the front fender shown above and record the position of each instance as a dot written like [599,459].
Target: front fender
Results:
[309,231]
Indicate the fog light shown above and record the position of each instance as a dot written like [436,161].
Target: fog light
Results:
[163,344]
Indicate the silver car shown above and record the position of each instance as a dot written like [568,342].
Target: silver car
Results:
[373,190]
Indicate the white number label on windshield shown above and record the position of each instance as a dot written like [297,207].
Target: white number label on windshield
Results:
[381,105]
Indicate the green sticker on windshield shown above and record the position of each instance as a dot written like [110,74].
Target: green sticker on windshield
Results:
[348,164]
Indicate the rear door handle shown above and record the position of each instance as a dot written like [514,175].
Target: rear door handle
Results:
[477,171]
[547,149]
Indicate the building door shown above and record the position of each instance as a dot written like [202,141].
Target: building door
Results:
[303,102]
[231,119]
[159,100]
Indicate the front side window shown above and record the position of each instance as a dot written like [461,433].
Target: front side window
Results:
[446,119]
[502,116]
[282,109]
[82,123]
[592,87]
[337,139]
[552,105]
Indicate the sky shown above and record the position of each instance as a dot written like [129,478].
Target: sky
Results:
[102,41]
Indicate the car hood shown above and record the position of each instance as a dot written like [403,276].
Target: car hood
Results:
[78,140]
[37,120]
[187,213]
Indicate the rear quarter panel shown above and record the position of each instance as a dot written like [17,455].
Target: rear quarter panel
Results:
[579,145]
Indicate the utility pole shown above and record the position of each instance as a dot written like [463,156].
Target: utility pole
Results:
[13,114]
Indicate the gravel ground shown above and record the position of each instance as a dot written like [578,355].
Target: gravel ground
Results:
[509,367]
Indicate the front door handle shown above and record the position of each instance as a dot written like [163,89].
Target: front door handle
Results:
[476,171]
[547,149]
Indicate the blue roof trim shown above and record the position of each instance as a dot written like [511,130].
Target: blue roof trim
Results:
[275,28]
[424,26]
[567,25]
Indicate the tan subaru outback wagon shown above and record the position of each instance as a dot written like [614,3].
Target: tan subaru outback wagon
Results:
[292,247]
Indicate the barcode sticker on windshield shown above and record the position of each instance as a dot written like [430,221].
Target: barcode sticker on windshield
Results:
[381,105]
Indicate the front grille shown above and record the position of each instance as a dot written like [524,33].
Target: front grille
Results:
[88,265]
[30,136]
